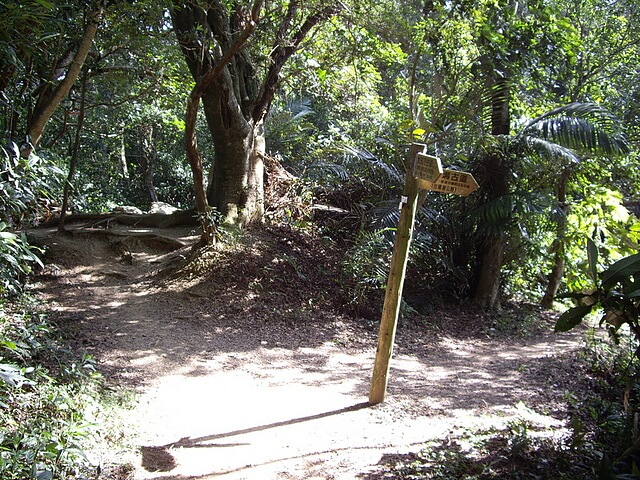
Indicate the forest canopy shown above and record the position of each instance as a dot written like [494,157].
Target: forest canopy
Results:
[307,112]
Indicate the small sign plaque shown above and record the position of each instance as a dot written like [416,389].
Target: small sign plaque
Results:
[427,167]
[452,181]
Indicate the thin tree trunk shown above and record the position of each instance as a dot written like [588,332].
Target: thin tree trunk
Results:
[148,160]
[46,108]
[73,162]
[123,160]
[557,271]
[195,161]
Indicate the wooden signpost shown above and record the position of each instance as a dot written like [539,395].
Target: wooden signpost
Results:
[426,168]
[425,172]
[452,181]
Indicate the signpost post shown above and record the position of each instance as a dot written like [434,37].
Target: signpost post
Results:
[395,282]
[423,172]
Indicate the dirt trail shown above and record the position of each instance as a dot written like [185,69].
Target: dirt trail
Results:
[227,391]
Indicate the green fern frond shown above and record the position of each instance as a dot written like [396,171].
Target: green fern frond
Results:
[375,163]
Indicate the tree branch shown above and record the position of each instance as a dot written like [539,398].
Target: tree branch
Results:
[44,113]
[214,72]
[281,53]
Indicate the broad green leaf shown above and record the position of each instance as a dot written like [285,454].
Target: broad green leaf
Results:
[9,344]
[10,259]
[571,318]
[621,270]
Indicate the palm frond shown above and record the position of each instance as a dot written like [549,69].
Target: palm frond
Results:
[526,202]
[330,169]
[422,242]
[498,92]
[497,215]
[386,215]
[494,212]
[548,149]
[581,127]
[374,162]
[299,107]
[292,108]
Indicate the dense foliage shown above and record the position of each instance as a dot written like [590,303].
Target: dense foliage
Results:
[349,100]
[52,410]
[539,100]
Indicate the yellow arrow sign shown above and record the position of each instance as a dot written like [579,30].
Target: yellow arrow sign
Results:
[427,167]
[452,181]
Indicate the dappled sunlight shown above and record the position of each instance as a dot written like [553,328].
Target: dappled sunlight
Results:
[234,381]
[272,405]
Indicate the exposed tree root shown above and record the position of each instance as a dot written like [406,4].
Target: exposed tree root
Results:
[178,218]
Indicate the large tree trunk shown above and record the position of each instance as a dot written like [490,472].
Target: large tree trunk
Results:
[235,101]
[47,105]
[236,188]
[488,291]
[557,271]
[495,182]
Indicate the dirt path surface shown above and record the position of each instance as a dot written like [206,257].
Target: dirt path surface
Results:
[241,377]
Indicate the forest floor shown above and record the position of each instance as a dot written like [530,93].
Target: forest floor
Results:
[245,366]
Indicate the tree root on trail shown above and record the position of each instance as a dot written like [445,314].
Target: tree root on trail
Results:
[152,240]
[179,218]
[127,245]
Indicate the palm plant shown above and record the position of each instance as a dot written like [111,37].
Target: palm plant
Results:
[566,135]
[552,145]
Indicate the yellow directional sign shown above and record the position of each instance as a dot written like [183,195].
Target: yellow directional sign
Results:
[452,181]
[427,168]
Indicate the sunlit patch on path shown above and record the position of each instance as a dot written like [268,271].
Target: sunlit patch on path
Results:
[240,392]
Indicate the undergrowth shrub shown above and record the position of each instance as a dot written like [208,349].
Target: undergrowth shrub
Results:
[25,190]
[17,260]
[49,402]
[366,267]
[598,438]
[26,186]
[520,448]
[609,412]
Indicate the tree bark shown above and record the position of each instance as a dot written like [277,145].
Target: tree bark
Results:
[488,291]
[123,160]
[148,156]
[47,106]
[213,79]
[557,271]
